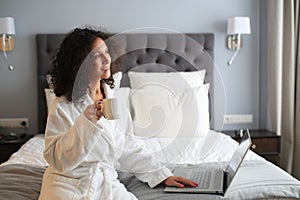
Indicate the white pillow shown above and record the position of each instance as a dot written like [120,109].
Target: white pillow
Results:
[50,96]
[176,81]
[117,77]
[160,112]
[123,93]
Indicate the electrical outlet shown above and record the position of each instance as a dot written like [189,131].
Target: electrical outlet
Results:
[238,119]
[14,122]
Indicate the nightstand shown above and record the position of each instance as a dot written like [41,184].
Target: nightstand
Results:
[265,143]
[9,145]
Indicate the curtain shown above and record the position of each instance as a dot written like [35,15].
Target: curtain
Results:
[284,79]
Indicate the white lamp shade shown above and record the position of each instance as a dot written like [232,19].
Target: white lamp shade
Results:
[238,25]
[7,25]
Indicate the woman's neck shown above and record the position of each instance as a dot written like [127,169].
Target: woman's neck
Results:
[95,91]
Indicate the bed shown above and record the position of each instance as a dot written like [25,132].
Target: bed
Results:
[177,58]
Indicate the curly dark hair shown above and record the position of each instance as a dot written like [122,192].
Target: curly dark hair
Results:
[71,58]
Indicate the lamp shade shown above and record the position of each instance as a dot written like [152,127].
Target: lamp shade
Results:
[7,25]
[238,25]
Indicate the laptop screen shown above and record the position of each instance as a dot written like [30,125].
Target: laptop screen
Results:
[238,157]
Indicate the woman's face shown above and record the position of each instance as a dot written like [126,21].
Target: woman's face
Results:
[101,60]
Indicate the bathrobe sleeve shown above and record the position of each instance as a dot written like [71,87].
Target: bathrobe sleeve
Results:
[68,141]
[136,159]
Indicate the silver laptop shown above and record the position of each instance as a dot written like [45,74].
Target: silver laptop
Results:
[213,180]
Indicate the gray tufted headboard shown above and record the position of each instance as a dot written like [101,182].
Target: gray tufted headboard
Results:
[178,52]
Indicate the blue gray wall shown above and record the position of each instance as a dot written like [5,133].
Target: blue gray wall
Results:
[18,89]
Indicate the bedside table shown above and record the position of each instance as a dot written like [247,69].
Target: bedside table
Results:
[8,147]
[265,143]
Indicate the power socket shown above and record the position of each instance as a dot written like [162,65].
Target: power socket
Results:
[14,122]
[238,119]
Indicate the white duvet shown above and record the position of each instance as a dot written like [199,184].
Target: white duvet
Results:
[215,147]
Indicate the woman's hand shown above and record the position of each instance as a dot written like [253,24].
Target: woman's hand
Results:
[179,181]
[94,111]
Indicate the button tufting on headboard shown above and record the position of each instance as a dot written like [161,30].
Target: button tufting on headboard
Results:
[176,52]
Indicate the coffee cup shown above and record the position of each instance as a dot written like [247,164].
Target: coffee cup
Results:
[112,108]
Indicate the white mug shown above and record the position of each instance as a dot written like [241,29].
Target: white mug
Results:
[112,108]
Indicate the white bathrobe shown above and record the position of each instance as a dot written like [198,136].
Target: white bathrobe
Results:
[83,158]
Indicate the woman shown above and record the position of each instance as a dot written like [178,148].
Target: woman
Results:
[83,148]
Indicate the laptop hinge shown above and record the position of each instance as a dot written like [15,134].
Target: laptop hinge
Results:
[225,183]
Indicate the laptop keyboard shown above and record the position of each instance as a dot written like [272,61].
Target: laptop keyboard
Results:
[202,177]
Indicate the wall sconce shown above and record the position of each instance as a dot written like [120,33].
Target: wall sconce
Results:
[235,27]
[7,29]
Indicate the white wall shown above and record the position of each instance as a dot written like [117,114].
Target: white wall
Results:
[18,89]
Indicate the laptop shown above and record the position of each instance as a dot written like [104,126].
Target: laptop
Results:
[213,180]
